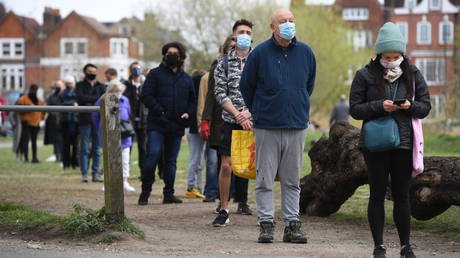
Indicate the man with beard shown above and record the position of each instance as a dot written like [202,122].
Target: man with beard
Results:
[169,95]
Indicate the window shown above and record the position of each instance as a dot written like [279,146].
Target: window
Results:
[446,31]
[119,47]
[432,69]
[404,28]
[435,4]
[361,39]
[424,32]
[12,77]
[12,48]
[68,46]
[18,49]
[124,29]
[81,48]
[74,46]
[6,49]
[355,14]
[73,70]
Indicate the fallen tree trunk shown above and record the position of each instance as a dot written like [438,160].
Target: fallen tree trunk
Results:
[434,191]
[338,168]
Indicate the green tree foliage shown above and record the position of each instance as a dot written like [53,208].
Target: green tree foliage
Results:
[155,36]
[205,24]
[2,10]
[329,37]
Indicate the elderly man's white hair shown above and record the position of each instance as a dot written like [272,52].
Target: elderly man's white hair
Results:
[114,85]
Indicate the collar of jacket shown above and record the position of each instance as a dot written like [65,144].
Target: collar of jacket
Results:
[179,70]
[276,44]
[232,54]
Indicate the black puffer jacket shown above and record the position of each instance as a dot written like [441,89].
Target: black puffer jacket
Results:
[366,102]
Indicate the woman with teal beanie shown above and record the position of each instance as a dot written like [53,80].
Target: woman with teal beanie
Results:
[388,76]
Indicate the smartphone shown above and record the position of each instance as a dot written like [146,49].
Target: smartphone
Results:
[399,102]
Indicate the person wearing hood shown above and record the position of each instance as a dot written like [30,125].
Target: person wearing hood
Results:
[375,89]
[169,95]
[30,123]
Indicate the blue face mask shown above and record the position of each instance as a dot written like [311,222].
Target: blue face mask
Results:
[243,41]
[118,95]
[136,72]
[287,30]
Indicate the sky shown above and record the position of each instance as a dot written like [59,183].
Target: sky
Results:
[102,10]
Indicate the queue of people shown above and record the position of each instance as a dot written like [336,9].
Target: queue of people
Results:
[265,89]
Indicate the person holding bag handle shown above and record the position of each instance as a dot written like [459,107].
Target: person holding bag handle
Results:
[371,97]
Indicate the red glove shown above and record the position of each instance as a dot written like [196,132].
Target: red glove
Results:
[205,131]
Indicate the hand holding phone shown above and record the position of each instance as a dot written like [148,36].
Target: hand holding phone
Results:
[399,102]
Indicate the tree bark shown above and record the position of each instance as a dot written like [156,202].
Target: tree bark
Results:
[338,168]
[437,188]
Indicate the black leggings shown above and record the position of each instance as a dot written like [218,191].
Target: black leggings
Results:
[397,164]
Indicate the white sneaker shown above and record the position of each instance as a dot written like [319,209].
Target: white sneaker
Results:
[127,187]
[52,158]
[103,188]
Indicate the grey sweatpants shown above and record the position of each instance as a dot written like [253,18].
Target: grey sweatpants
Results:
[278,150]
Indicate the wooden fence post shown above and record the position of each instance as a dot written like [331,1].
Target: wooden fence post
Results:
[111,148]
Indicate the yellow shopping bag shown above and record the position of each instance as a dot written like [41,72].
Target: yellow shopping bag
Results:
[243,154]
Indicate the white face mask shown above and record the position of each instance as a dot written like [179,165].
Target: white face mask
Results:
[391,65]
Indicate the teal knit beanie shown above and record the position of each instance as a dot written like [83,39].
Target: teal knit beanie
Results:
[390,40]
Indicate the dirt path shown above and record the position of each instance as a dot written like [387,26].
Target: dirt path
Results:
[185,230]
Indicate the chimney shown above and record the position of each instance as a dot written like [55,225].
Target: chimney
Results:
[51,17]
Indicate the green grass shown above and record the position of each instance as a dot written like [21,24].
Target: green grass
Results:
[82,222]
[352,211]
[16,215]
[442,144]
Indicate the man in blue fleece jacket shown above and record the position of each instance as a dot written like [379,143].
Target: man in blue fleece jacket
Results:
[276,84]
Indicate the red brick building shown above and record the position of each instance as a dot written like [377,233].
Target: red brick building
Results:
[427,25]
[31,53]
[78,40]
[19,51]
[366,18]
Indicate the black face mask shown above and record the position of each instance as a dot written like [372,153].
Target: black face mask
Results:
[172,61]
[90,77]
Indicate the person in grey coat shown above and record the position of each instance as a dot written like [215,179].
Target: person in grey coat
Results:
[373,87]
[341,111]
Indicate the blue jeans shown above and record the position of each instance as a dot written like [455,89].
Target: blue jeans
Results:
[211,188]
[87,133]
[171,144]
